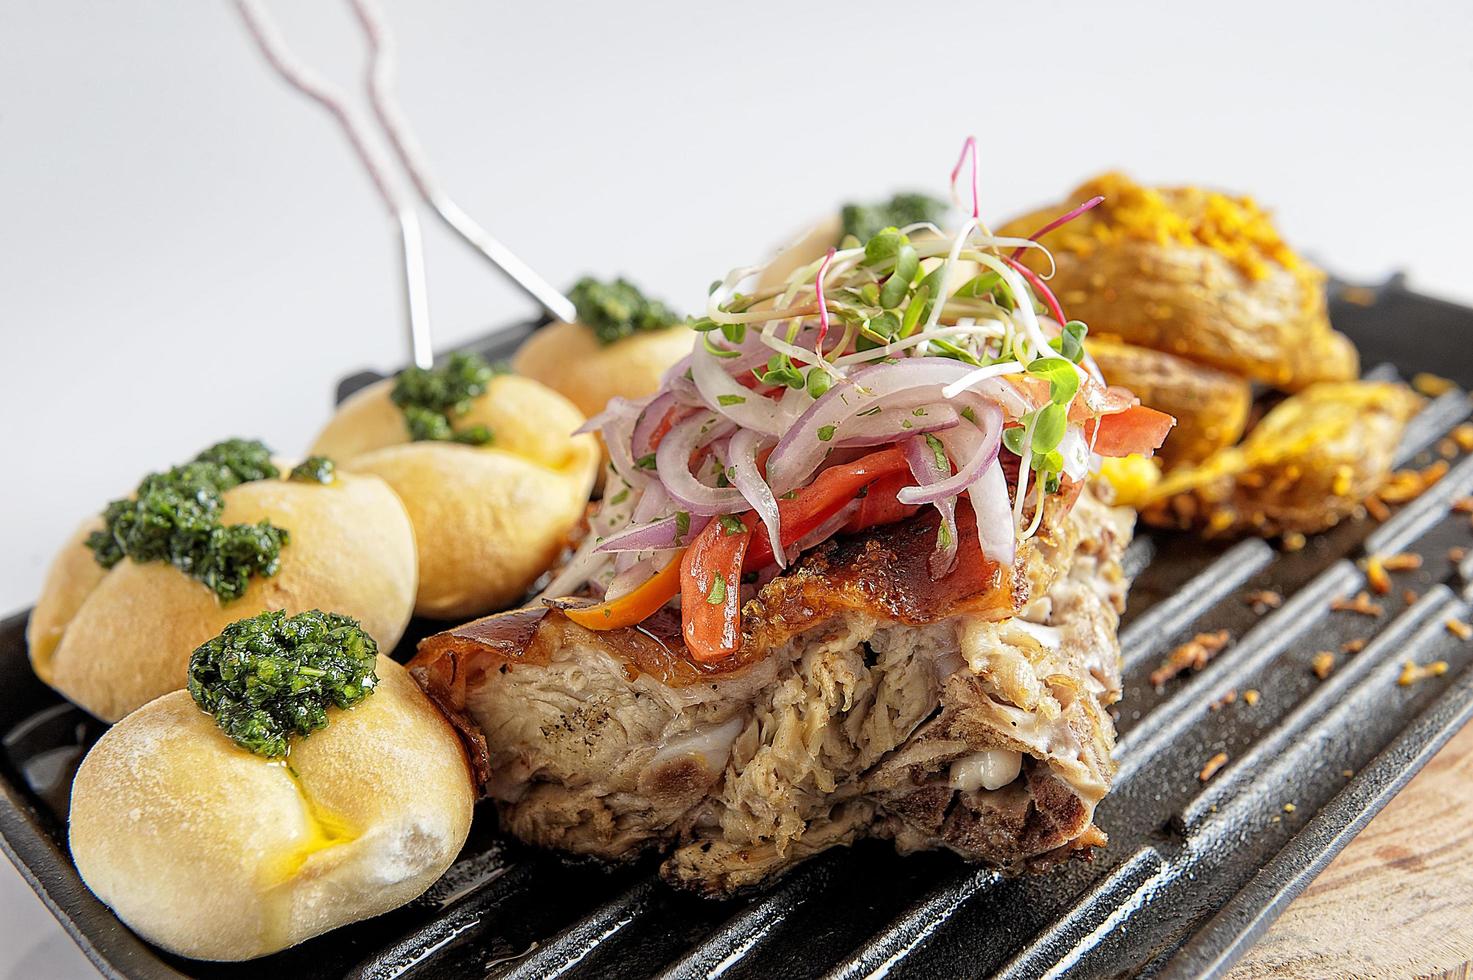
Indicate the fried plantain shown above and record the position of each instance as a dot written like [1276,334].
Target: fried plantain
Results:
[1305,466]
[1193,273]
[1211,406]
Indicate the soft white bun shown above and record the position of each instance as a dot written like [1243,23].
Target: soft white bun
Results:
[214,853]
[114,639]
[568,358]
[488,520]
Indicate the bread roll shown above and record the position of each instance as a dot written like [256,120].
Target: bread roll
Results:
[569,359]
[214,853]
[488,520]
[114,639]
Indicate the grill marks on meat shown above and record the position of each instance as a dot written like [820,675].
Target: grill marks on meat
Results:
[860,683]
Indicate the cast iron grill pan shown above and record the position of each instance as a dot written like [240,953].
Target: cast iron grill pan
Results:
[1193,874]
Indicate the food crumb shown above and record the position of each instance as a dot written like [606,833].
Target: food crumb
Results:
[1323,664]
[1446,448]
[1405,485]
[1263,600]
[1289,808]
[1402,561]
[1347,773]
[1409,596]
[1277,819]
[1293,541]
[1361,604]
[1376,575]
[1456,555]
[1352,646]
[1463,505]
[1250,697]
[1213,765]
[1376,508]
[1458,628]
[1225,700]
[1463,436]
[1432,385]
[1192,655]
[1412,673]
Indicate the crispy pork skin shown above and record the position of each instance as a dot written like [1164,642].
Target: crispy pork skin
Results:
[866,701]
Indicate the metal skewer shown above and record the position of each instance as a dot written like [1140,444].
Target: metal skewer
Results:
[411,158]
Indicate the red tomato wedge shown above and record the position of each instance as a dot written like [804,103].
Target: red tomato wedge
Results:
[831,490]
[1136,430]
[711,590]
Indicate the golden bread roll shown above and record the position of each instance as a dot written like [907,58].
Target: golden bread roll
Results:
[488,520]
[1210,406]
[569,359]
[1194,273]
[111,640]
[215,853]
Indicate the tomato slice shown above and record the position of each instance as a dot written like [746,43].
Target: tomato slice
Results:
[632,607]
[1136,430]
[711,590]
[881,505]
[832,489]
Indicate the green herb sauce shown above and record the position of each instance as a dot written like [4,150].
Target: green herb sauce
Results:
[618,309]
[431,398]
[314,469]
[175,517]
[864,221]
[273,676]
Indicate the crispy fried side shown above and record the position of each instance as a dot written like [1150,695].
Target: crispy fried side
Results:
[1211,406]
[1193,273]
[1305,466]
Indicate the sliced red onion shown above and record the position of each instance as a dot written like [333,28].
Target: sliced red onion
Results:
[908,383]
[584,565]
[927,470]
[741,456]
[889,424]
[824,531]
[995,530]
[722,393]
[672,461]
[618,436]
[649,420]
[617,408]
[972,449]
[659,535]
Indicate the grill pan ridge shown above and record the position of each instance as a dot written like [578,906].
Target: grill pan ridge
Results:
[1194,871]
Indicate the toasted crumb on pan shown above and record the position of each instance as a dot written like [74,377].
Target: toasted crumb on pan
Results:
[1293,541]
[1191,655]
[1458,628]
[1432,385]
[1463,505]
[1262,600]
[1405,485]
[1456,555]
[1412,673]
[1352,646]
[1323,664]
[1376,508]
[1361,604]
[1250,697]
[1289,808]
[1376,576]
[1225,700]
[1213,765]
[1463,436]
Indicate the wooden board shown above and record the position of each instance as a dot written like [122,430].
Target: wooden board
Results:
[1398,902]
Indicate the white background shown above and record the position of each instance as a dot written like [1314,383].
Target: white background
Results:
[188,251]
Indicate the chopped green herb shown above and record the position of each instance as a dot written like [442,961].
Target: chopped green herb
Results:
[868,411]
[620,497]
[970,414]
[825,433]
[938,453]
[682,525]
[717,595]
[646,462]
[314,469]
[615,310]
[731,399]
[175,517]
[273,676]
[430,398]
[732,525]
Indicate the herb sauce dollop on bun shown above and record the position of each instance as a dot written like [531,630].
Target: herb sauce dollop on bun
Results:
[217,853]
[490,514]
[111,639]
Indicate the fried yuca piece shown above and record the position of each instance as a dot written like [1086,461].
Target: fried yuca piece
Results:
[1211,406]
[1194,273]
[1303,468]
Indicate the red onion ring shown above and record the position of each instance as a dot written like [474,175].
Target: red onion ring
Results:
[996,532]
[927,471]
[741,456]
[971,448]
[672,463]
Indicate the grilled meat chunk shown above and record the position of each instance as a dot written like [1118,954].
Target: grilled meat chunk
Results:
[866,701]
